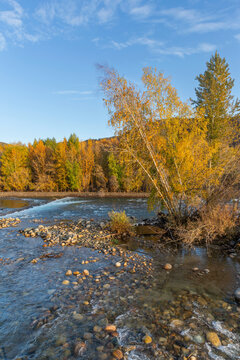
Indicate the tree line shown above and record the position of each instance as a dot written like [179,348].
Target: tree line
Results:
[69,165]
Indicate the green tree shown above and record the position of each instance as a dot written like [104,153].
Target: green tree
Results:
[15,173]
[214,95]
[115,169]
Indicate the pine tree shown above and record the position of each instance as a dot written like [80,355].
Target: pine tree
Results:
[214,95]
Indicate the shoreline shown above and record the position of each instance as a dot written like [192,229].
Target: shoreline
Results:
[59,195]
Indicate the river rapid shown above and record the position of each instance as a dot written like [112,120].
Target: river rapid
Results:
[158,314]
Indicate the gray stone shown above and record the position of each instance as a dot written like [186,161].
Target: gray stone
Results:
[237,295]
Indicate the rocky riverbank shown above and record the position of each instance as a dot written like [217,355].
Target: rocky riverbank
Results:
[117,304]
[9,222]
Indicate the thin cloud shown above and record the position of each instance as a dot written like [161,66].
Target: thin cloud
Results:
[141,11]
[12,17]
[161,47]
[196,22]
[2,42]
[237,37]
[12,23]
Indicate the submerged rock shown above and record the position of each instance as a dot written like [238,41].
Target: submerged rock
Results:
[237,295]
[213,338]
[147,339]
[168,266]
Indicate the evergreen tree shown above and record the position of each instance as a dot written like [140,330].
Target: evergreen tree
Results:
[214,95]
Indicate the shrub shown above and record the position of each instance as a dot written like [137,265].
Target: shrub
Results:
[120,223]
[213,223]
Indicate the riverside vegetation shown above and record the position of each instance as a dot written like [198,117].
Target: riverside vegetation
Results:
[186,157]
[101,300]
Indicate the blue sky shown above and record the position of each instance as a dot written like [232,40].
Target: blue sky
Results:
[49,49]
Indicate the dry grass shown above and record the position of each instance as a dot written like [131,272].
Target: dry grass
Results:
[214,223]
[120,223]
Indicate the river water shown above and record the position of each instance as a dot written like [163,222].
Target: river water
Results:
[40,318]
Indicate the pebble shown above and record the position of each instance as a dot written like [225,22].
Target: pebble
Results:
[213,338]
[80,348]
[117,354]
[65,282]
[167,266]
[86,272]
[87,336]
[97,329]
[199,339]
[110,328]
[68,273]
[118,264]
[147,339]
[106,286]
[177,323]
[78,317]
[237,295]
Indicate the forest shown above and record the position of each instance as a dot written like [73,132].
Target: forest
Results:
[69,165]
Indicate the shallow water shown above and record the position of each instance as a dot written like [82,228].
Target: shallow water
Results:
[39,316]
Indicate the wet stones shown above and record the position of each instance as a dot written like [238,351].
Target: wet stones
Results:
[80,348]
[5,223]
[110,328]
[66,282]
[176,323]
[68,273]
[118,264]
[86,272]
[199,339]
[147,339]
[213,338]
[167,266]
[237,295]
[117,354]
[78,317]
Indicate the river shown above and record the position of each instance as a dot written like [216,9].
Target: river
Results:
[40,318]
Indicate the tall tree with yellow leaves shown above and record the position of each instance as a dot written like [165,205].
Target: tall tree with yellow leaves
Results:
[165,138]
[15,173]
[42,166]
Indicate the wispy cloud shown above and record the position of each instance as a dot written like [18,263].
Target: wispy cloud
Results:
[191,20]
[237,37]
[143,11]
[161,47]
[2,42]
[12,24]
[77,13]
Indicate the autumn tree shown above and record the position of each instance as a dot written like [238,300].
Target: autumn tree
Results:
[41,162]
[61,169]
[214,95]
[87,163]
[73,165]
[165,138]
[99,178]
[15,173]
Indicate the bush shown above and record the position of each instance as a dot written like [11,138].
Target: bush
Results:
[120,223]
[213,223]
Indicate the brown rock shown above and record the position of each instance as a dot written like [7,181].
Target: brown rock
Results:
[118,354]
[110,328]
[213,338]
[147,339]
[80,348]
[168,266]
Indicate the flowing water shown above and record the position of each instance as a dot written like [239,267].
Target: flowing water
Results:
[40,318]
